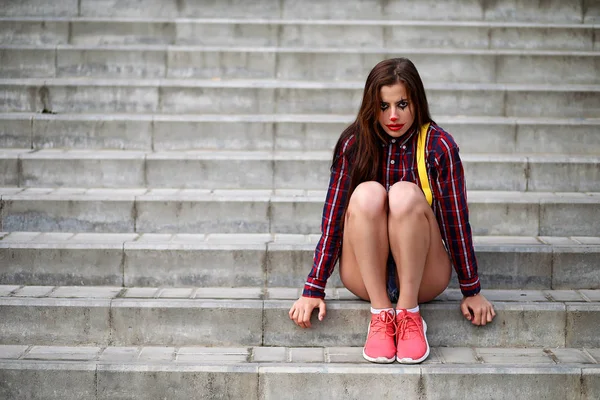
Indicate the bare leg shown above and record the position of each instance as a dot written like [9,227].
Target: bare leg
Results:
[365,249]
[423,265]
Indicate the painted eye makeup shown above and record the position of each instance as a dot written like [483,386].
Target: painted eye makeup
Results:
[402,104]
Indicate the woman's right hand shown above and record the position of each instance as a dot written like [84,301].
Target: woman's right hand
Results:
[302,310]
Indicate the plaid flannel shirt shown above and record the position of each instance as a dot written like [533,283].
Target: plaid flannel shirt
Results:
[398,163]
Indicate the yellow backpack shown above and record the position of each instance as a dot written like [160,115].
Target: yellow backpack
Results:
[421,167]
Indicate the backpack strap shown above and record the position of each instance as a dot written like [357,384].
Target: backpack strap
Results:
[422,168]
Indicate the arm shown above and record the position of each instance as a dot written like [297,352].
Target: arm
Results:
[453,217]
[329,245]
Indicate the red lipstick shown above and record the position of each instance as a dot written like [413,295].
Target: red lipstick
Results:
[395,127]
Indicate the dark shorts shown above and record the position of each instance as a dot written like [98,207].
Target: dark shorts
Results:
[392,284]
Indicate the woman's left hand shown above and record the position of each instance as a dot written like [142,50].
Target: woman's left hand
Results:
[477,309]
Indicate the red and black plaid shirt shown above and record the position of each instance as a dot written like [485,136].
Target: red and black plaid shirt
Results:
[398,163]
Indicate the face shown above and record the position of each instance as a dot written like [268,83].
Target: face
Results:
[396,114]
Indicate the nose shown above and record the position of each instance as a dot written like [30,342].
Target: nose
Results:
[393,114]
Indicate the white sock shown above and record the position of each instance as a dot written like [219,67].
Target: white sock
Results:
[411,310]
[376,311]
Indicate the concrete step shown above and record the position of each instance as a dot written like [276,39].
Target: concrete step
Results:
[299,33]
[569,11]
[234,62]
[33,371]
[259,260]
[164,132]
[209,169]
[187,96]
[265,211]
[103,316]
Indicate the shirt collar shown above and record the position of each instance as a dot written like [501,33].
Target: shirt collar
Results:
[387,139]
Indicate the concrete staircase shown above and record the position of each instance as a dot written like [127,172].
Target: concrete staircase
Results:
[163,167]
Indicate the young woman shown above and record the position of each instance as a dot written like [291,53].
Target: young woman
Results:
[396,228]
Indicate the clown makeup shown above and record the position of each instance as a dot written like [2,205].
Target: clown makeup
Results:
[397,114]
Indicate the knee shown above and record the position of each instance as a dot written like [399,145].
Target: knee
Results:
[368,199]
[406,198]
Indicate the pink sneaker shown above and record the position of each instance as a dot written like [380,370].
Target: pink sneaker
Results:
[411,341]
[380,346]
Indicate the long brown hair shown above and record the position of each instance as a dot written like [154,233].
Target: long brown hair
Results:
[365,153]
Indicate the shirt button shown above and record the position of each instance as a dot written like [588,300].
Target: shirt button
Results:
[393,140]
[392,162]
[403,147]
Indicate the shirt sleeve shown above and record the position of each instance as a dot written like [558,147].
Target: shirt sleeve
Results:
[453,215]
[328,247]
